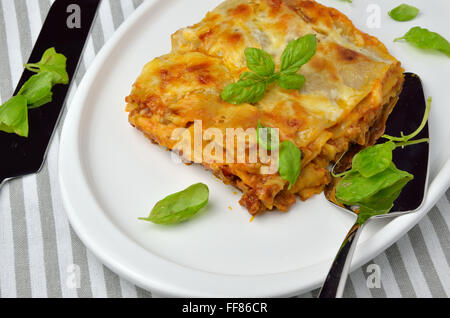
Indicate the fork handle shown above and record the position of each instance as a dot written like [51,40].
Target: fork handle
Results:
[334,284]
[2,181]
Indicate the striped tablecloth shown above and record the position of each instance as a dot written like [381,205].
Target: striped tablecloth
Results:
[41,256]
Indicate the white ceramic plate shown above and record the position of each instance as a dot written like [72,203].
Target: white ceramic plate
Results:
[110,175]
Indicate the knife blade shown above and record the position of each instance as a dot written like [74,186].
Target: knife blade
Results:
[66,28]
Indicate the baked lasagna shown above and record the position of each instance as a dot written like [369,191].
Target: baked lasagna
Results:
[352,85]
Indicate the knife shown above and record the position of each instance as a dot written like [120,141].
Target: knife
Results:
[66,28]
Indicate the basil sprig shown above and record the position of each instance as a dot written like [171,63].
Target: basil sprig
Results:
[290,156]
[14,116]
[36,92]
[180,206]
[404,12]
[289,162]
[426,39]
[53,63]
[374,182]
[252,86]
[374,195]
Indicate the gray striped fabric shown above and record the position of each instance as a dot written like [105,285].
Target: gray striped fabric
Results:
[41,256]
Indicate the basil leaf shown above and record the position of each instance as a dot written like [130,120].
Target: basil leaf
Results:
[180,206]
[297,53]
[354,188]
[53,63]
[374,159]
[426,39]
[38,89]
[244,91]
[14,116]
[267,137]
[404,12]
[260,61]
[366,213]
[44,100]
[289,165]
[291,81]
[383,201]
[251,76]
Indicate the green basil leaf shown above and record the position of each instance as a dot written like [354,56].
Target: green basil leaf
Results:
[14,116]
[260,61]
[374,159]
[267,137]
[366,213]
[251,76]
[383,201]
[244,91]
[291,81]
[53,63]
[297,53]
[404,12]
[290,160]
[354,188]
[44,100]
[426,39]
[38,89]
[180,206]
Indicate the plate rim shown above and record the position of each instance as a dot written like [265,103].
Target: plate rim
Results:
[167,278]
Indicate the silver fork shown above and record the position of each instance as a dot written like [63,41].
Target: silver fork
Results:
[406,117]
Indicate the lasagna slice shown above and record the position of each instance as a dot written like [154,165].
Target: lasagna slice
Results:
[352,84]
